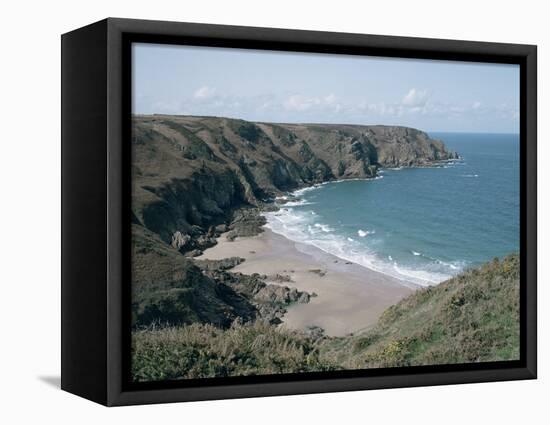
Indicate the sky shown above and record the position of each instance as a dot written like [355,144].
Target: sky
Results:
[325,88]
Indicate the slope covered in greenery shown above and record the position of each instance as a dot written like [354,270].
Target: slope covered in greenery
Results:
[206,351]
[473,317]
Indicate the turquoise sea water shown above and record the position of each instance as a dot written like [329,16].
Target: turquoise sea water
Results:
[421,225]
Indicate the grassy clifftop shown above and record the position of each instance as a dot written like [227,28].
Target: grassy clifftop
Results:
[192,171]
[473,317]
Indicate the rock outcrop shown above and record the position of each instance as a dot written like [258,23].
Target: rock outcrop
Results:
[170,289]
[194,178]
[270,300]
[190,174]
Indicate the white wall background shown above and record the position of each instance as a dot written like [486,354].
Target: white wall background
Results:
[30,211]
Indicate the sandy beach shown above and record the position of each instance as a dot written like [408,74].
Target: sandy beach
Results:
[349,297]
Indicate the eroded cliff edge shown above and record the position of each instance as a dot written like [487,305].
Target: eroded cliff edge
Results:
[194,178]
[189,173]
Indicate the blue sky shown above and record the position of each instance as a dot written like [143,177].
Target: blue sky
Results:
[299,87]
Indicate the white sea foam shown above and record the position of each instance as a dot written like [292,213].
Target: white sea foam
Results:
[298,226]
[298,203]
[361,179]
[363,233]
[300,192]
[323,227]
[302,225]
[457,265]
[470,175]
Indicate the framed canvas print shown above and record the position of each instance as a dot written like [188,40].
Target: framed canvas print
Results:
[252,212]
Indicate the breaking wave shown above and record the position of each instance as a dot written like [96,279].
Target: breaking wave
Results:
[298,222]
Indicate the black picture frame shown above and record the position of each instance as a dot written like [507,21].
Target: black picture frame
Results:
[96,90]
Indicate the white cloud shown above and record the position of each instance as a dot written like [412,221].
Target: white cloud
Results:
[298,102]
[415,108]
[415,98]
[204,92]
[414,102]
[330,99]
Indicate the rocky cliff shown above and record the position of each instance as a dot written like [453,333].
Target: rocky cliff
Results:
[191,173]
[170,289]
[194,178]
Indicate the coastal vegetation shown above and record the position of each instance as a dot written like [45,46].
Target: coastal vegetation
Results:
[196,178]
[473,317]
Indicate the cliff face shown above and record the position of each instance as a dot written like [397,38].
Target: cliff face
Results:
[170,289]
[191,178]
[189,173]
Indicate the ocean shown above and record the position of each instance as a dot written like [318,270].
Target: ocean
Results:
[420,225]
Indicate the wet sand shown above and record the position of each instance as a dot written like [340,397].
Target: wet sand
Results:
[349,297]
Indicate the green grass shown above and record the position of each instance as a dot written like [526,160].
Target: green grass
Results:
[473,317]
[205,351]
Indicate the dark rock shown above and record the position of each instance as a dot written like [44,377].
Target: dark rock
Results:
[281,295]
[180,240]
[280,278]
[319,272]
[221,228]
[223,264]
[205,241]
[269,208]
[303,298]
[196,231]
[193,253]
[315,332]
[246,222]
